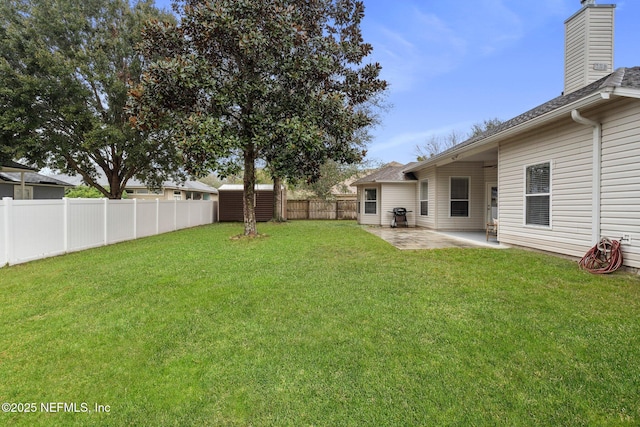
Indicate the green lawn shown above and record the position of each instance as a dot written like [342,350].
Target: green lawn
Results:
[319,323]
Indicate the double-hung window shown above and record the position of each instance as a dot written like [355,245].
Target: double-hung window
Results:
[424,198]
[370,201]
[538,194]
[459,200]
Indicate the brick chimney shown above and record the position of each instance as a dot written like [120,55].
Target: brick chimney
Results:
[588,45]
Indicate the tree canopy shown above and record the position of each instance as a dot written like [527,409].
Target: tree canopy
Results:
[278,80]
[65,70]
[436,144]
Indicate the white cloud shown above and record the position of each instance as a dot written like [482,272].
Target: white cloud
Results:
[424,47]
[428,44]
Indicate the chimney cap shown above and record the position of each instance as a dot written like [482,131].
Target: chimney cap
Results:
[587,2]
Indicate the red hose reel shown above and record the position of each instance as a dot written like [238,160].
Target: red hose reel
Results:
[605,257]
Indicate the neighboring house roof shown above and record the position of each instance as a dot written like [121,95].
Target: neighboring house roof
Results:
[200,186]
[134,183]
[392,172]
[11,166]
[73,180]
[622,82]
[32,178]
[185,186]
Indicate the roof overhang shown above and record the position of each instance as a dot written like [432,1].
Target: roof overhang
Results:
[492,141]
[413,181]
[12,166]
[627,92]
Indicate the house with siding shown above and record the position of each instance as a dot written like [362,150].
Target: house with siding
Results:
[21,182]
[557,177]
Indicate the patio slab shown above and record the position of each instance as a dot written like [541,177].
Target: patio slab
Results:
[423,238]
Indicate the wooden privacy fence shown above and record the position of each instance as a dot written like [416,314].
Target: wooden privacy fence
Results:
[34,229]
[321,209]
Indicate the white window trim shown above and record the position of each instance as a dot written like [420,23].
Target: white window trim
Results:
[424,200]
[468,199]
[550,194]
[365,201]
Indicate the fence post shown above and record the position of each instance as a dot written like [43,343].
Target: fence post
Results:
[8,226]
[106,220]
[157,216]
[65,224]
[135,219]
[175,214]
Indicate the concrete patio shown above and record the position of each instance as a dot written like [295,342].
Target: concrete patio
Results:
[422,238]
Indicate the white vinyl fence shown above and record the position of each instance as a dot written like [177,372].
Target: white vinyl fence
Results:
[34,229]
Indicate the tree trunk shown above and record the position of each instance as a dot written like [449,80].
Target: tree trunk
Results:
[115,192]
[277,200]
[250,228]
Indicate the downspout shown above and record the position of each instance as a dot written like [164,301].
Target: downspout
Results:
[597,172]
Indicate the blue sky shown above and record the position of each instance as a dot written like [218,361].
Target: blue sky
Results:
[451,64]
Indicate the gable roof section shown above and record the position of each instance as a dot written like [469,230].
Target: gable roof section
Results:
[622,82]
[392,172]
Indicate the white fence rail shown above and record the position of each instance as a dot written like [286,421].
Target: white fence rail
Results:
[34,229]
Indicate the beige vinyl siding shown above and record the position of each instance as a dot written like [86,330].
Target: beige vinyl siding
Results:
[475,220]
[620,205]
[589,41]
[427,221]
[368,219]
[399,196]
[575,46]
[567,146]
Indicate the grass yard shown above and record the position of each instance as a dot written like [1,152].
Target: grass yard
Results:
[320,323]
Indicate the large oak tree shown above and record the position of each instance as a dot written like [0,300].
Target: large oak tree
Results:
[66,67]
[282,81]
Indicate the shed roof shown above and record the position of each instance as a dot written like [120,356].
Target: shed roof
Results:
[240,187]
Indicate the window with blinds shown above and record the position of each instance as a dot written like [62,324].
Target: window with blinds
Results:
[459,200]
[424,198]
[370,201]
[538,194]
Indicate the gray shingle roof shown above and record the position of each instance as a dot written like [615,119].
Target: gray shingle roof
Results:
[76,180]
[392,172]
[626,78]
[32,178]
[11,165]
[622,77]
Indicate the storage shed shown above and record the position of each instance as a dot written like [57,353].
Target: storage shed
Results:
[230,198]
